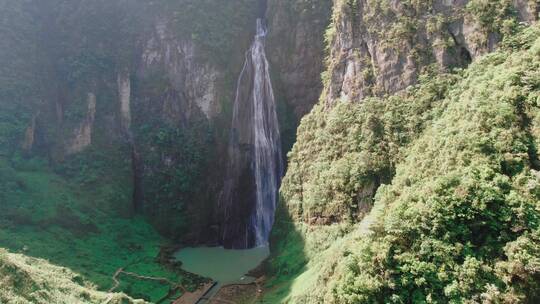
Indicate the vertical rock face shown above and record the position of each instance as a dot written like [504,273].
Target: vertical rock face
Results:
[124,98]
[381,47]
[192,83]
[190,87]
[29,135]
[296,49]
[82,136]
[173,104]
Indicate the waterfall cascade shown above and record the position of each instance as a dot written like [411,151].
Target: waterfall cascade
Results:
[255,165]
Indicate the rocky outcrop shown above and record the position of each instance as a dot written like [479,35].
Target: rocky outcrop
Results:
[124,98]
[381,47]
[175,100]
[82,135]
[296,50]
[527,10]
[30,135]
[190,82]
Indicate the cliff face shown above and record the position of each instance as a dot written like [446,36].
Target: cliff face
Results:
[381,47]
[156,83]
[192,81]
[384,164]
[178,96]
[378,48]
[184,81]
[82,135]
[296,50]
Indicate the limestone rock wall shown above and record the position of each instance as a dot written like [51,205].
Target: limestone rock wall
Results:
[82,135]
[192,81]
[379,47]
[124,98]
[296,49]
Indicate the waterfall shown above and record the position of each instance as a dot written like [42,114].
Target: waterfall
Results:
[255,164]
[267,141]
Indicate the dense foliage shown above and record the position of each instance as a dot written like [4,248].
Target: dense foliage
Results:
[176,160]
[76,210]
[342,156]
[457,216]
[80,216]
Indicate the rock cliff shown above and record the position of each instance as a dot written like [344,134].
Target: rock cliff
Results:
[381,47]
[395,139]
[158,82]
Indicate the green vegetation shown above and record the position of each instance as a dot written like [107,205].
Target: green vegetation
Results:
[456,218]
[80,222]
[76,210]
[342,156]
[30,280]
[179,158]
[494,17]
[427,196]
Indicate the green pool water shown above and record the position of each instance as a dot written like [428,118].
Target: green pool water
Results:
[224,266]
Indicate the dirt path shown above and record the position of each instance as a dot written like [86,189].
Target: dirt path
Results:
[174,288]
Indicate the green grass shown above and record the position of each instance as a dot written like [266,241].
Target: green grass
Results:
[81,227]
[30,280]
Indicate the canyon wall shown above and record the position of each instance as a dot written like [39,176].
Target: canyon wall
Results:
[379,48]
[369,175]
[152,86]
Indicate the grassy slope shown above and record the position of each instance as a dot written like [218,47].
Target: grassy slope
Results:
[30,280]
[459,218]
[80,224]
